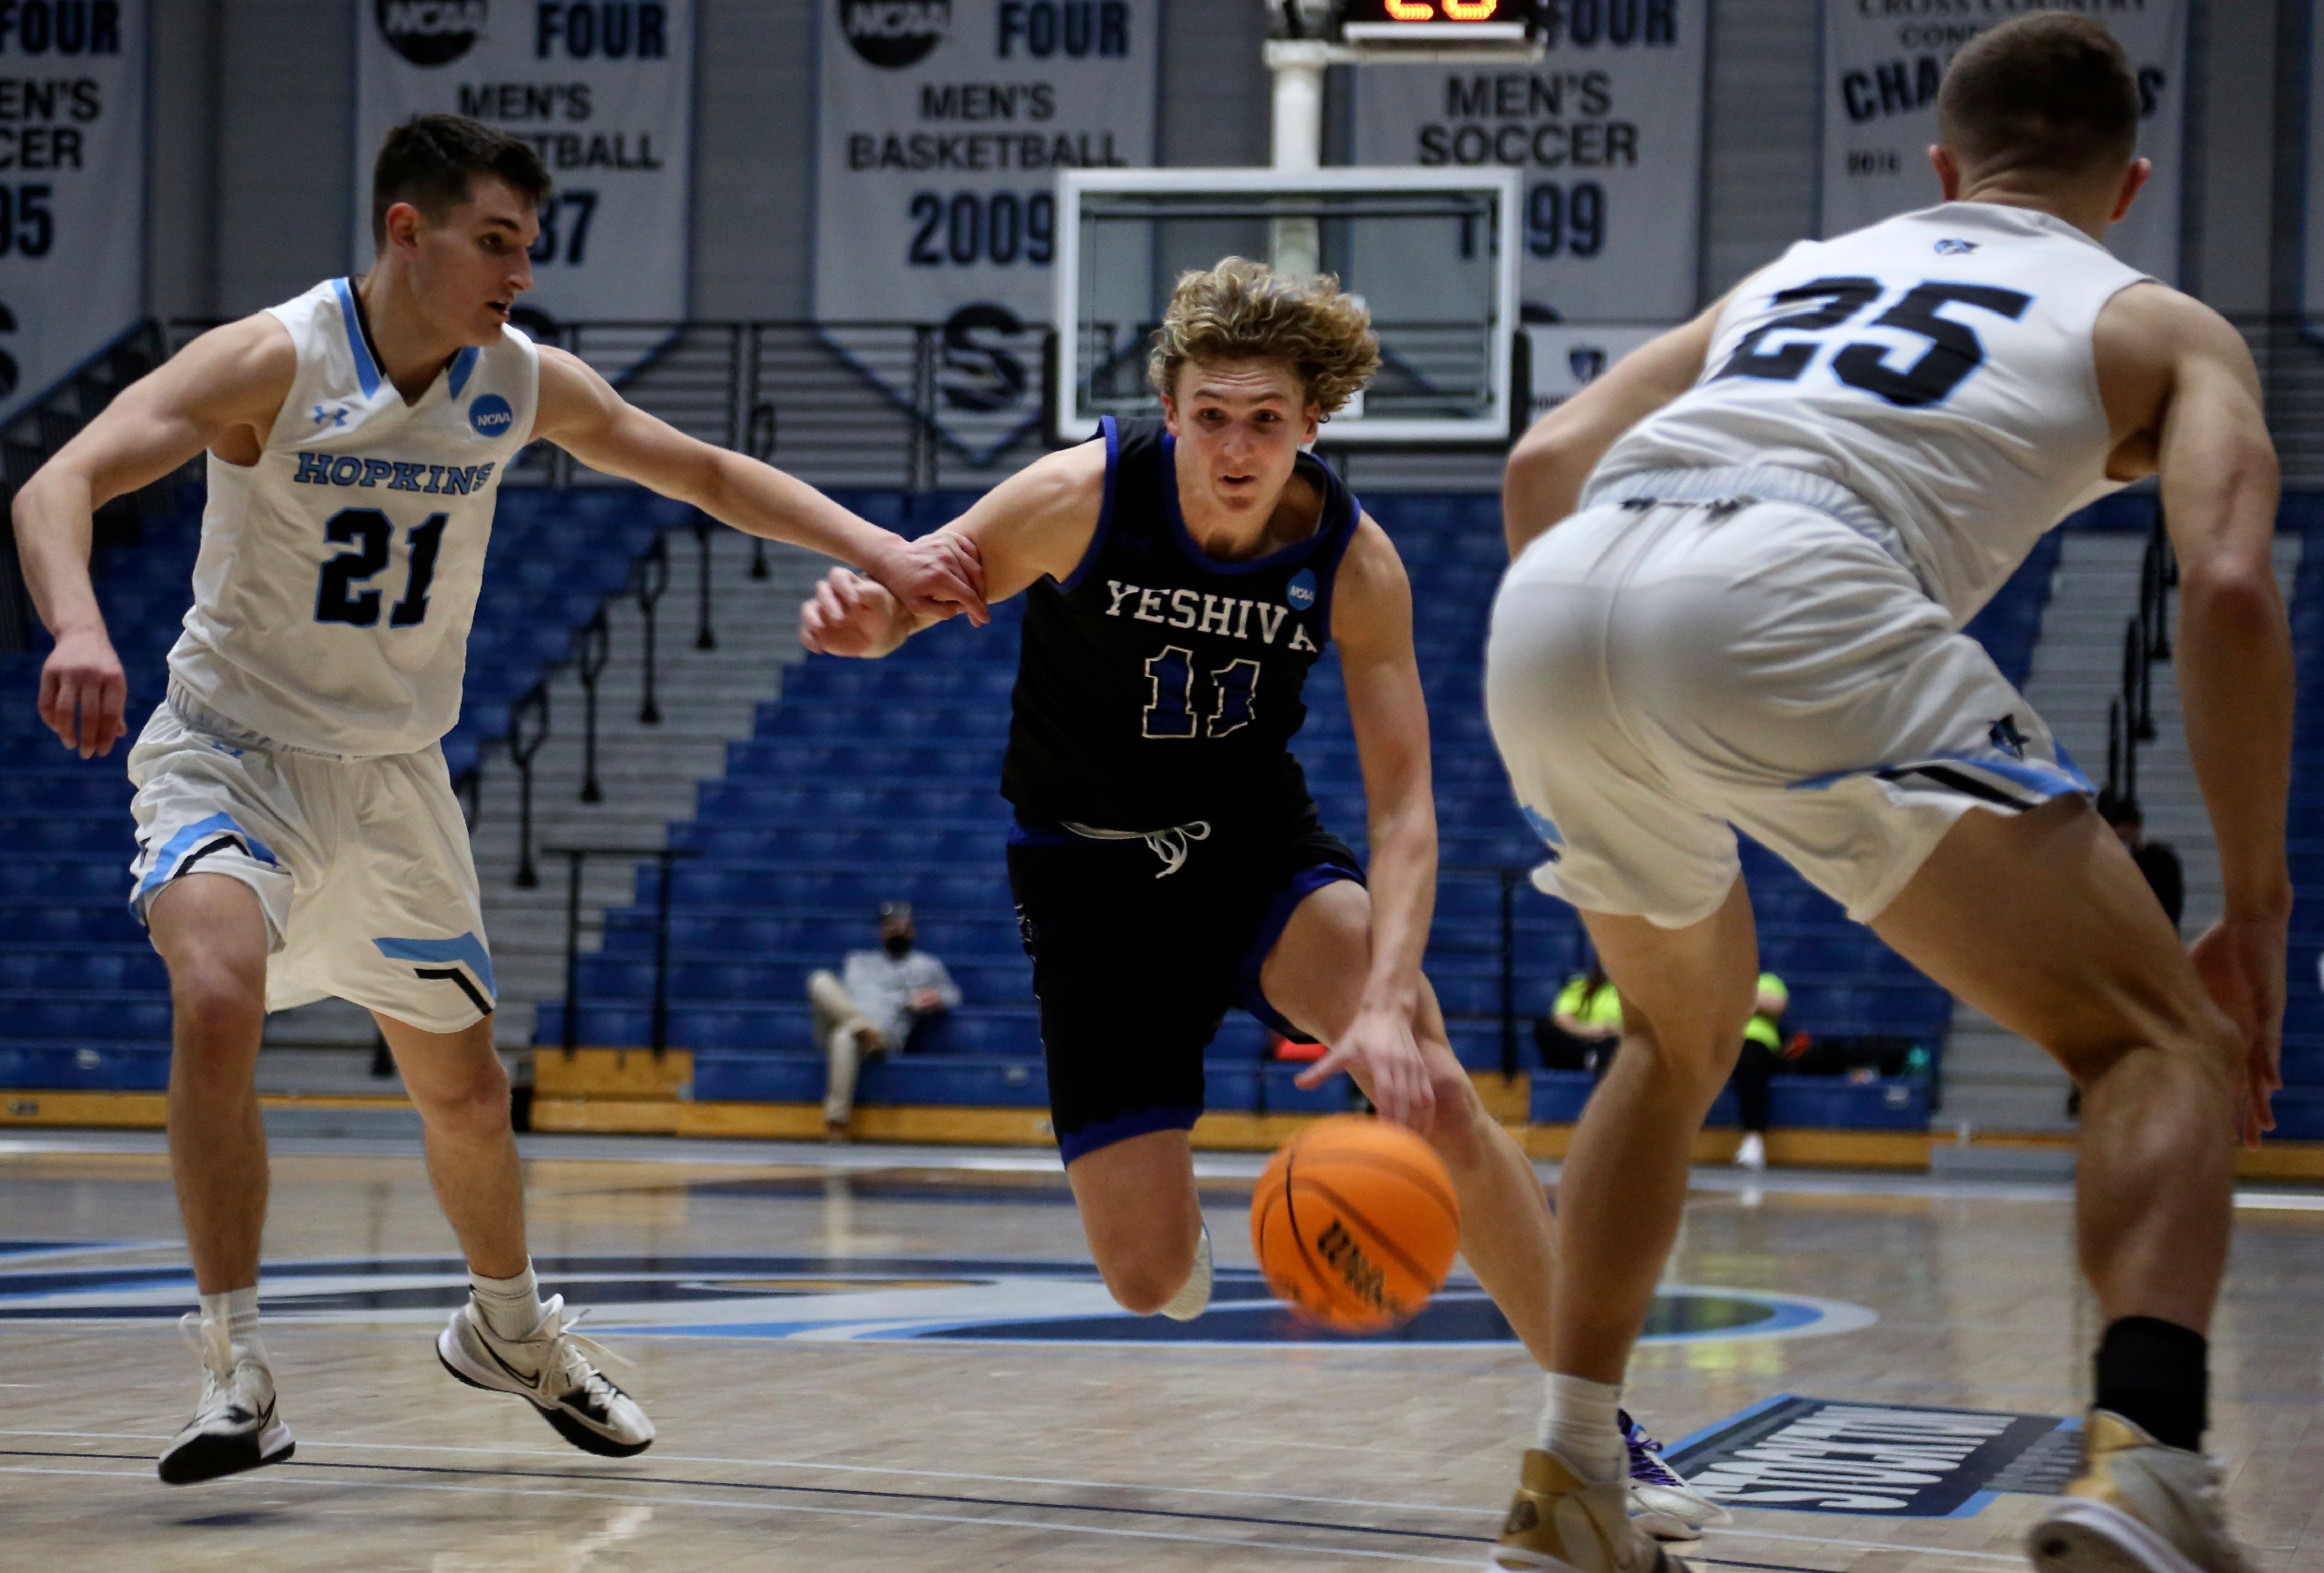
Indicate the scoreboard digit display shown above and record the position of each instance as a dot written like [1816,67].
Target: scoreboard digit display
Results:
[1436,21]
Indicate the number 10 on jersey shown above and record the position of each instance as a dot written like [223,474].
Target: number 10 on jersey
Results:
[1173,712]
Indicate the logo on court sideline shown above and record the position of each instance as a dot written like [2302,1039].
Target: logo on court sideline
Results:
[431,32]
[894,33]
[848,1300]
[1897,1460]
[491,415]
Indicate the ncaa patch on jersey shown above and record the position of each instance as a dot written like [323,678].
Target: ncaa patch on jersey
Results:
[491,415]
[1301,591]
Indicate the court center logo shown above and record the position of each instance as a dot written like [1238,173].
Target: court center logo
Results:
[848,1299]
[894,33]
[431,32]
[490,416]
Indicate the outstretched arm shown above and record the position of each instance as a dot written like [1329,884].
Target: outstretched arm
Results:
[580,412]
[1036,523]
[223,390]
[2185,398]
[1551,461]
[1372,623]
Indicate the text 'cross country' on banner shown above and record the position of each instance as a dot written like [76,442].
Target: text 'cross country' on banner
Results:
[941,127]
[603,90]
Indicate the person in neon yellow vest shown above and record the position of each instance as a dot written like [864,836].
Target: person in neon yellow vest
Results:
[1763,1045]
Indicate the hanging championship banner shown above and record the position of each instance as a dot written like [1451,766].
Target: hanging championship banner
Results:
[72,187]
[941,127]
[1882,64]
[603,88]
[1607,128]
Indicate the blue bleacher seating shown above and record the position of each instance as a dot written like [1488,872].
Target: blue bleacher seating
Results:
[875,781]
[84,1004]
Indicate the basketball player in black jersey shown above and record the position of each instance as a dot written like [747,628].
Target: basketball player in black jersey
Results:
[1167,861]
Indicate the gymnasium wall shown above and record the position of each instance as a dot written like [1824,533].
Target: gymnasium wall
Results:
[252,194]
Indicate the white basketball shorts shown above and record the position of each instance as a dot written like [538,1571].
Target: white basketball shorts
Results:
[1660,672]
[362,865]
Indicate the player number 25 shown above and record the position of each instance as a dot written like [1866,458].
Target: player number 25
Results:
[367,530]
[1172,713]
[1954,348]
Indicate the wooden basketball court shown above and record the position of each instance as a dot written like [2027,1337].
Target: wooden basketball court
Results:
[899,1359]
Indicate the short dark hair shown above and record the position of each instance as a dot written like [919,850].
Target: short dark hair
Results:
[2051,91]
[430,159]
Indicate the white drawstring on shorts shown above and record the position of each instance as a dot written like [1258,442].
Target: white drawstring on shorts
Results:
[1169,844]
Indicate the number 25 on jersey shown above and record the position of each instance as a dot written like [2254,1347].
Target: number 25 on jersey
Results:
[1954,349]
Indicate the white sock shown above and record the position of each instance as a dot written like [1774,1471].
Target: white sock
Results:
[1194,1296]
[511,1306]
[1577,1424]
[236,1311]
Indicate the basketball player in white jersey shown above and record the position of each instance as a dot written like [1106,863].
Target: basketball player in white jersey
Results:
[298,833]
[1743,560]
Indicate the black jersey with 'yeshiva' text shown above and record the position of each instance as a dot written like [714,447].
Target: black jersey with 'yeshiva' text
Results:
[1159,686]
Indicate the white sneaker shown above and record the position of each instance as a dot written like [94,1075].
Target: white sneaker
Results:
[1558,1523]
[1661,1502]
[2136,1507]
[1752,1153]
[1194,1296]
[551,1366]
[234,1427]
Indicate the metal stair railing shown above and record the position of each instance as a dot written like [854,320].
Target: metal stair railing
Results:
[2145,640]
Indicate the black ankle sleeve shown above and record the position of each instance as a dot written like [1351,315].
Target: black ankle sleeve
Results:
[2155,1374]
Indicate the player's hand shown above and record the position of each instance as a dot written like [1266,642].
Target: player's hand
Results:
[2241,963]
[937,576]
[1381,1042]
[850,615]
[84,693]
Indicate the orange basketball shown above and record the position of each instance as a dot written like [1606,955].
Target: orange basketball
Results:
[1355,1223]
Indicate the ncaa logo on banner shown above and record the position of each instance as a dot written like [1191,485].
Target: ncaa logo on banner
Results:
[895,33]
[431,32]
[490,416]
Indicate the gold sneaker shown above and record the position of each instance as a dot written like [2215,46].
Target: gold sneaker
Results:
[2136,1507]
[1559,1523]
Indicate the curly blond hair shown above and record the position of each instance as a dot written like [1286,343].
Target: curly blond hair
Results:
[1246,310]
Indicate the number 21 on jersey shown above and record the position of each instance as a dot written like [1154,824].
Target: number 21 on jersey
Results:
[369,532]
[1172,713]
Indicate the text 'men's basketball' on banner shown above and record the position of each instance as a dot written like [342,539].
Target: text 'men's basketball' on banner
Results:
[1882,64]
[72,188]
[941,125]
[604,91]
[1607,129]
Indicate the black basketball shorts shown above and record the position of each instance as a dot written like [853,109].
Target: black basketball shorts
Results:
[1135,962]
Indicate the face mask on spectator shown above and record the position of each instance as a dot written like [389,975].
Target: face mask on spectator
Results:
[899,945]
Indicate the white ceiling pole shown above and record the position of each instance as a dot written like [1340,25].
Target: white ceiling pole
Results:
[1297,65]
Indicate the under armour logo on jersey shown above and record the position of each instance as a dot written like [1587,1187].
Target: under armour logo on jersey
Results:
[2007,738]
[337,415]
[1955,248]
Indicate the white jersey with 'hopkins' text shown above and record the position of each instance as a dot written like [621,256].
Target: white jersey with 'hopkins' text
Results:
[338,575]
[1937,365]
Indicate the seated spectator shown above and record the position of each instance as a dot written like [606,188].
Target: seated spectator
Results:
[1585,1026]
[2155,859]
[1755,1068]
[873,1007]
